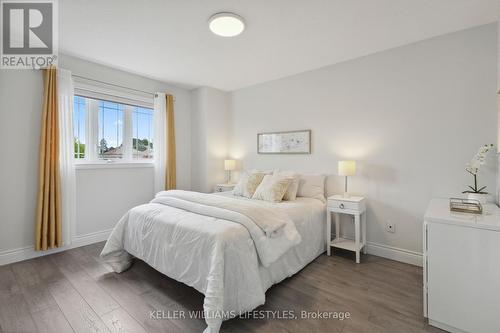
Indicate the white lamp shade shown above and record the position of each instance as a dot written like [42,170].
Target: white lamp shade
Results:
[347,168]
[229,165]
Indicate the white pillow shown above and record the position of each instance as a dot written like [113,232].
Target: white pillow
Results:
[291,192]
[248,183]
[272,188]
[312,186]
[266,172]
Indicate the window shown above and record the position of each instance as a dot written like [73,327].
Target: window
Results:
[111,131]
[110,122]
[142,131]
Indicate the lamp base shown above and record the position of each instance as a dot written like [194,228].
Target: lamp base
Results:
[346,194]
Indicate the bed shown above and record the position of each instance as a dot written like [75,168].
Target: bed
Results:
[203,240]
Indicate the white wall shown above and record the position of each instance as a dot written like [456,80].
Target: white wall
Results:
[20,114]
[498,56]
[498,111]
[412,117]
[103,195]
[210,137]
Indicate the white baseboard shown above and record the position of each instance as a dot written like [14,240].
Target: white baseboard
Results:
[28,252]
[24,253]
[91,238]
[445,327]
[394,253]
[391,252]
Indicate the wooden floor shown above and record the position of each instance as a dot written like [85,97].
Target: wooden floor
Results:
[74,291]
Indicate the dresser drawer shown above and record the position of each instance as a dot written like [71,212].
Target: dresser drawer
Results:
[341,205]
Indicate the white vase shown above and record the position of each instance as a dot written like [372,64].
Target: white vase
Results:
[483,198]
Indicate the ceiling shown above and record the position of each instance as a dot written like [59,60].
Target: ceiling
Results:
[169,40]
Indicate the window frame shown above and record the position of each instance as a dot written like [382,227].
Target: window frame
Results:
[95,92]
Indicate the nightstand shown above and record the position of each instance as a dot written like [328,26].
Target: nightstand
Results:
[354,206]
[224,187]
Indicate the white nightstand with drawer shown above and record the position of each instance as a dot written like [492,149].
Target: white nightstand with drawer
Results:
[355,206]
[224,187]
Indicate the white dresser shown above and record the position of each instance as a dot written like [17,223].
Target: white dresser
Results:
[462,268]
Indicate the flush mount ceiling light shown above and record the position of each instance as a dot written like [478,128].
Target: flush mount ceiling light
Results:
[226,24]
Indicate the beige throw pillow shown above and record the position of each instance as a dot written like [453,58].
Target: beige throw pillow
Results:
[247,184]
[291,192]
[272,188]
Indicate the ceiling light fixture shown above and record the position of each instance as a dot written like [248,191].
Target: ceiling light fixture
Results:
[226,24]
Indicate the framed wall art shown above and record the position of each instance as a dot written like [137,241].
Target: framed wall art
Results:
[289,142]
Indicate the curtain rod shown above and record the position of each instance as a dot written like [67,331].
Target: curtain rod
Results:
[115,85]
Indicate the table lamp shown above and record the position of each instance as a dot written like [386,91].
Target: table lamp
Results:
[229,165]
[346,168]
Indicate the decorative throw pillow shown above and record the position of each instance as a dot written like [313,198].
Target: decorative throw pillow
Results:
[291,192]
[266,172]
[240,185]
[247,184]
[272,188]
[312,186]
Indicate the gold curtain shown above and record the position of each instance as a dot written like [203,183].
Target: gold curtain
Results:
[48,213]
[170,176]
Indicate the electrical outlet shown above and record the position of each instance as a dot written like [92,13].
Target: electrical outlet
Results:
[390,227]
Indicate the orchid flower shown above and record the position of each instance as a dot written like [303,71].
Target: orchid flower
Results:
[474,165]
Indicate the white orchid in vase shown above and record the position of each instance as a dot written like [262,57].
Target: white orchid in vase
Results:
[474,165]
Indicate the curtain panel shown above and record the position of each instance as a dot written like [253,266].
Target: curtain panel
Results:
[48,232]
[56,204]
[65,93]
[160,140]
[164,142]
[171,176]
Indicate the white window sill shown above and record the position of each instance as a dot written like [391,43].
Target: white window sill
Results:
[113,165]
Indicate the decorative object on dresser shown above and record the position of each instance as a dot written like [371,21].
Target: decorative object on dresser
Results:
[229,165]
[346,168]
[461,256]
[354,206]
[289,142]
[465,206]
[473,168]
[224,187]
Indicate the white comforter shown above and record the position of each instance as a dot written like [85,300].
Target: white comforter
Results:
[272,232]
[213,244]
